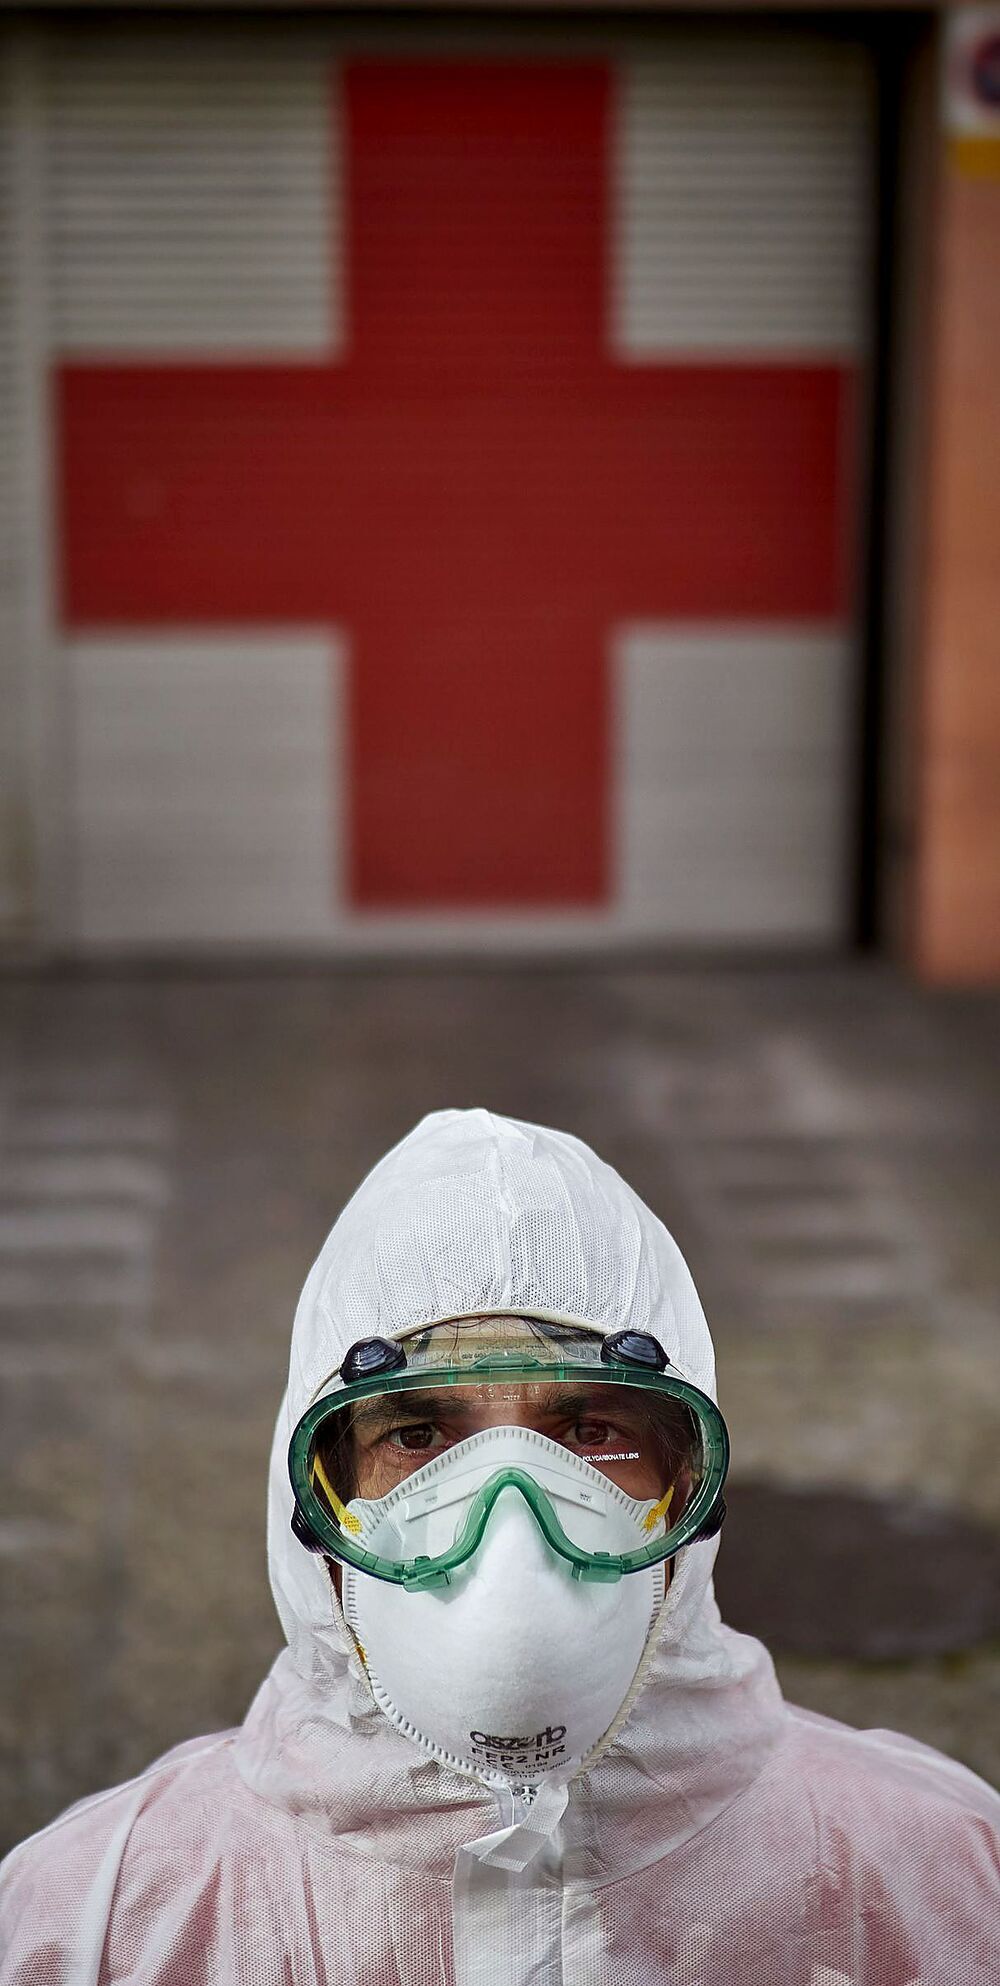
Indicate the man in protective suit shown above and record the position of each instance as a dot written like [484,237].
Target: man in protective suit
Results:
[509,1741]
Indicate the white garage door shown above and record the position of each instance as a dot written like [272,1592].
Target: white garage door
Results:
[455,481]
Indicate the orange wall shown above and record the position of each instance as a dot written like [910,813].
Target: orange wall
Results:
[956,911]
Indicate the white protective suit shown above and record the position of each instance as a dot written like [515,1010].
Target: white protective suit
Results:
[721,1838]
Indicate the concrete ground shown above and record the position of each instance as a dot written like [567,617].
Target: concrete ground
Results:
[822,1140]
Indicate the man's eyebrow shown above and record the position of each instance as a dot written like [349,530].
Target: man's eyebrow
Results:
[389,1408]
[568,1399]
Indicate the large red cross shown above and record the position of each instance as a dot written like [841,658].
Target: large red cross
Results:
[476,489]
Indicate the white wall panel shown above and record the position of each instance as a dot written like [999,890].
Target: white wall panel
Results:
[732,749]
[14,549]
[11,522]
[193,193]
[30,734]
[743,188]
[206,787]
[10,438]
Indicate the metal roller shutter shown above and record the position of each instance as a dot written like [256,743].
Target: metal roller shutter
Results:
[457,457]
[10,639]
[19,447]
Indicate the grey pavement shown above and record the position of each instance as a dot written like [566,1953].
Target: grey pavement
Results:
[822,1140]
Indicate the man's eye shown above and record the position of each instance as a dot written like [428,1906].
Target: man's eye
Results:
[415,1435]
[592,1434]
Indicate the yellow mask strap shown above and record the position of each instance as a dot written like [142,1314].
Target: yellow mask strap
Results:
[345,1517]
[659,1510]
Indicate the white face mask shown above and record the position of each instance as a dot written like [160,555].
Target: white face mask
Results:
[515,1669]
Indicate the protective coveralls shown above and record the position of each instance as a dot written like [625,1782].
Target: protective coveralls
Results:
[720,1838]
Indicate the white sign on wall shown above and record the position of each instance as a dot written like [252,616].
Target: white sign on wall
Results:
[972,73]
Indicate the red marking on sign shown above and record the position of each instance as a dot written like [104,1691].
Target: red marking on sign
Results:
[477,490]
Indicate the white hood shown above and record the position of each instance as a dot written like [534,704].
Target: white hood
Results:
[474,1213]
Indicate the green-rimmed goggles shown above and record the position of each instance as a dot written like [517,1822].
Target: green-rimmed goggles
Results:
[385,1478]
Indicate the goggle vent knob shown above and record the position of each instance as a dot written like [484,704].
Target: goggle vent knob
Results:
[634,1348]
[714,1524]
[371,1357]
[303,1533]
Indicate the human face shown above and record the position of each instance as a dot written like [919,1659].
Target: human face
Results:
[389,1440]
[464,1380]
[392,1439]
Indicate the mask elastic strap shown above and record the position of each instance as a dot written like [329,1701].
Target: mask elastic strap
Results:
[656,1515]
[344,1517]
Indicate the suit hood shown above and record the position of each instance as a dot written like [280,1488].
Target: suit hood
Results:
[475,1213]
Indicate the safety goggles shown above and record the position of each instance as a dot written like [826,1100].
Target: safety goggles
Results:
[398,1465]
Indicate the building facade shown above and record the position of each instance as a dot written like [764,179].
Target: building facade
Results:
[491,481]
